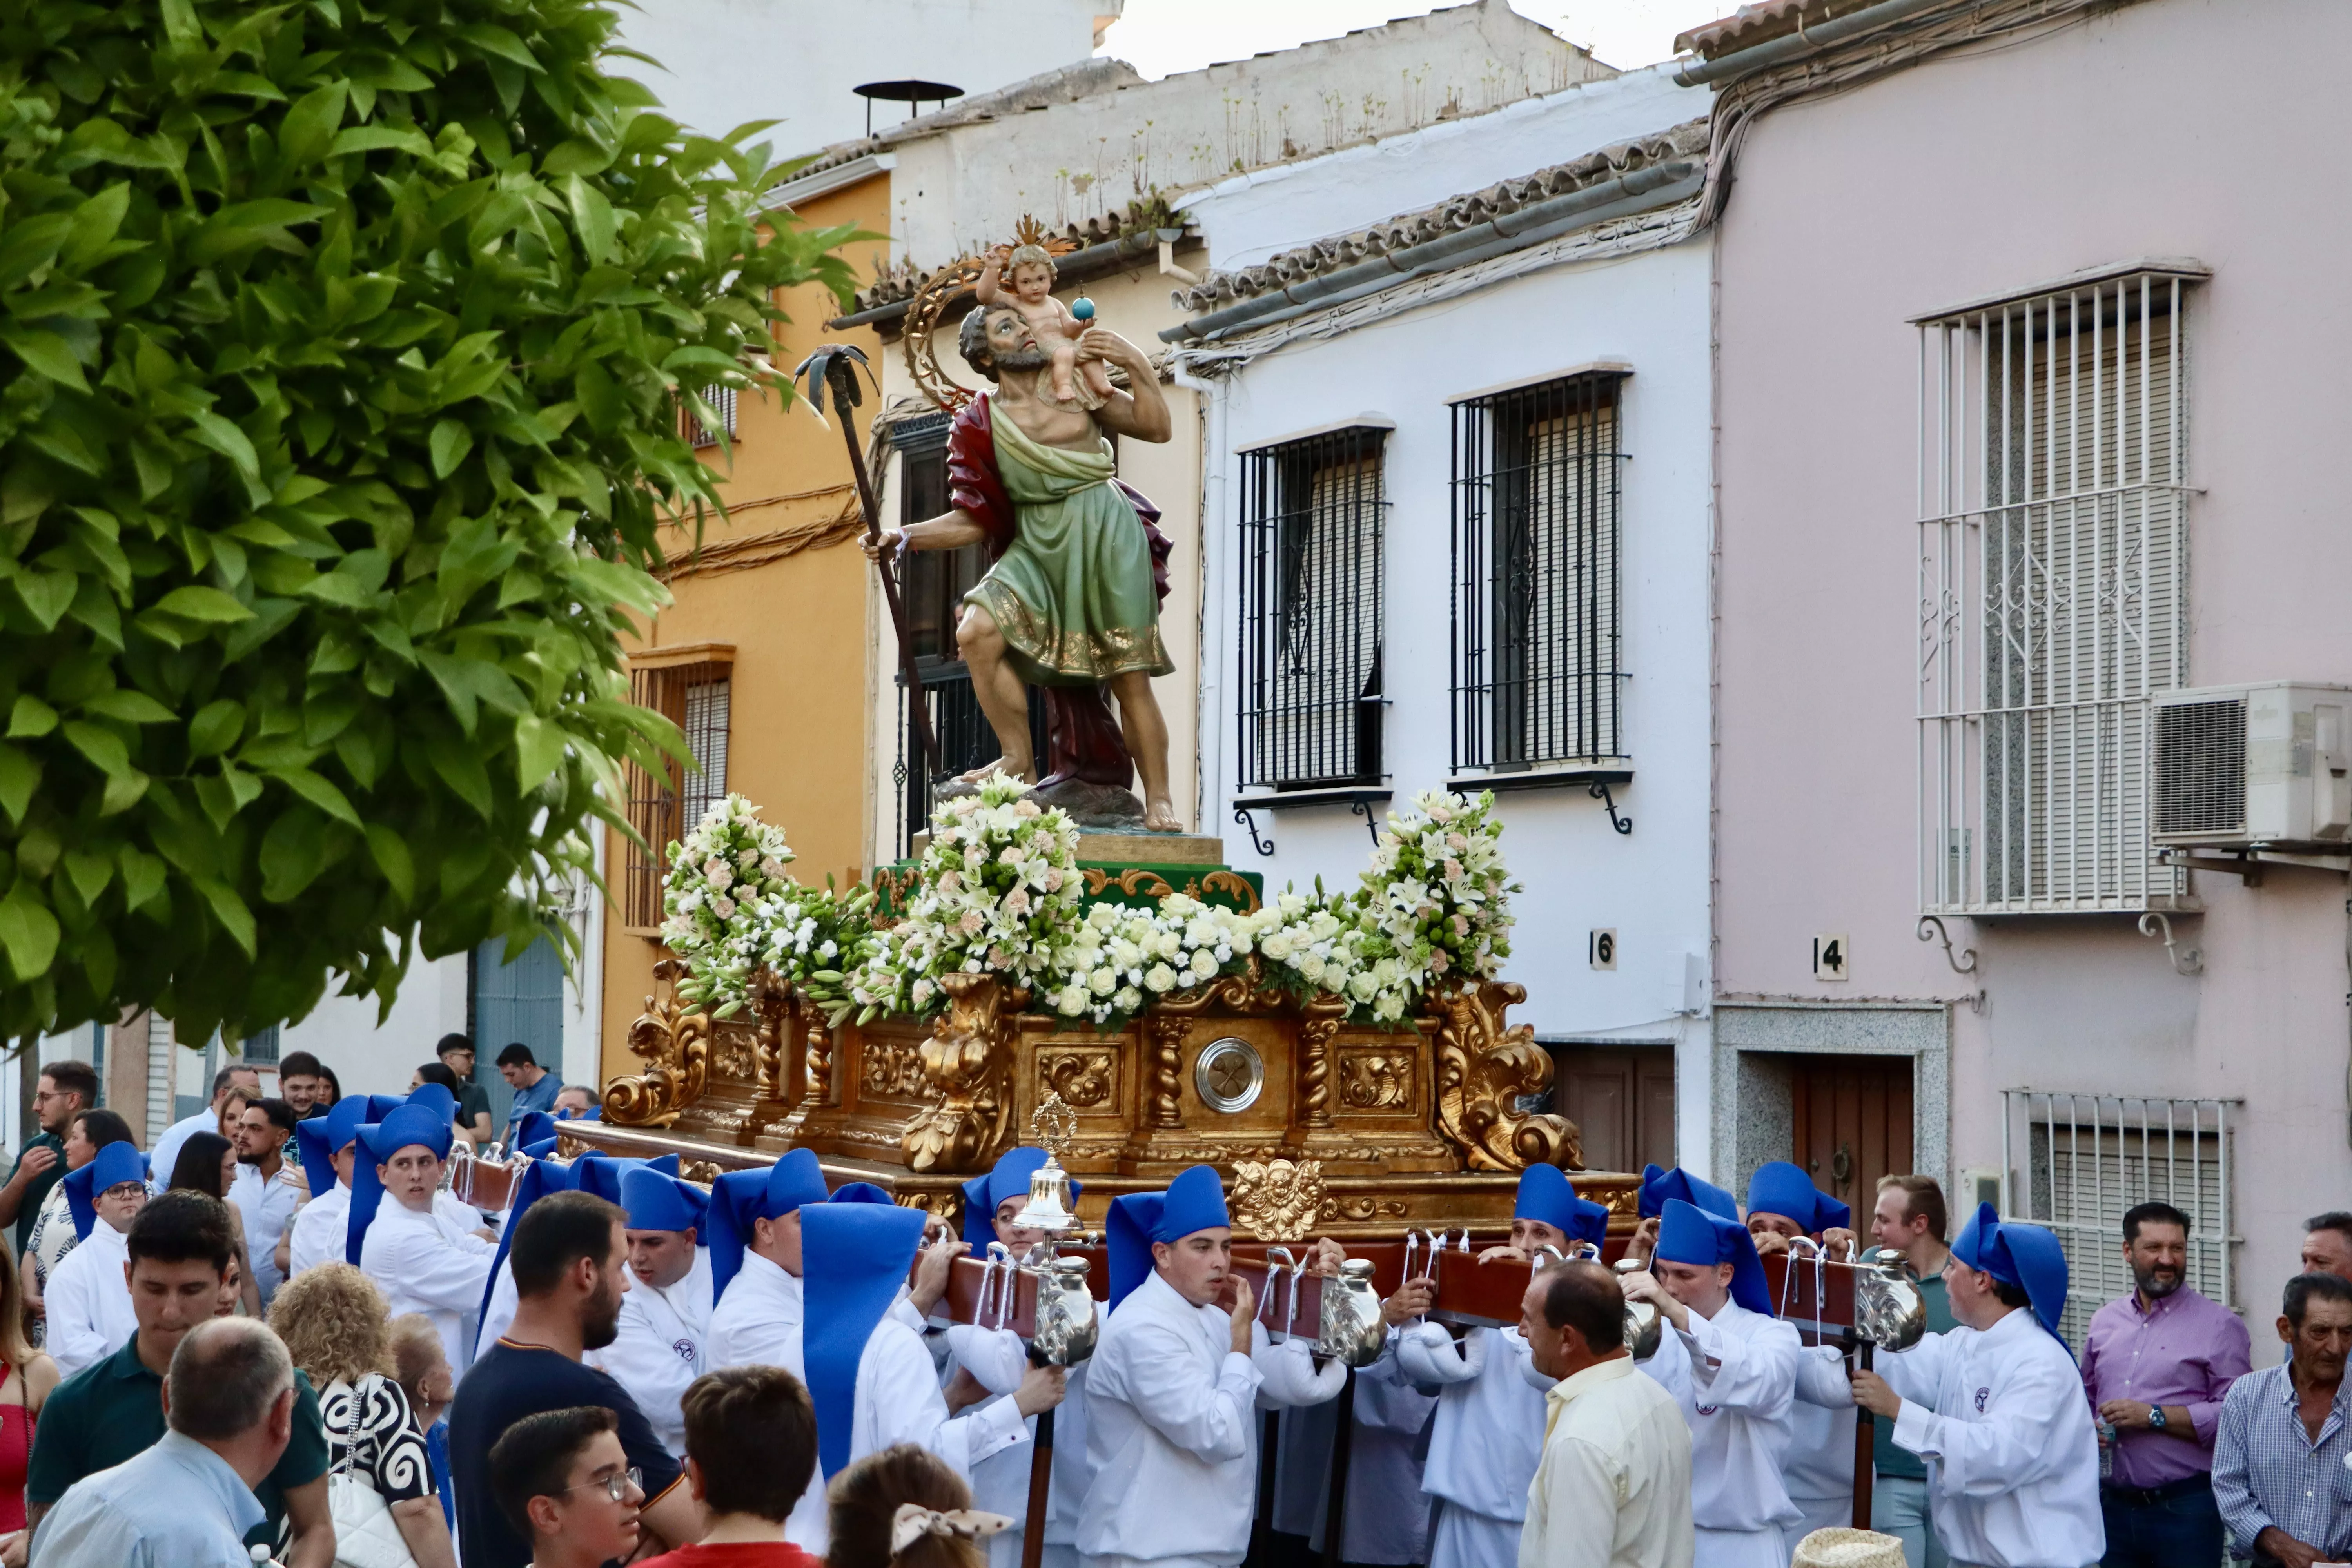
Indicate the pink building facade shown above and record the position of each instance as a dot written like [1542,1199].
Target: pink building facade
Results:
[2030,393]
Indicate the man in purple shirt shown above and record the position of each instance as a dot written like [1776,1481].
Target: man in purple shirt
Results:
[2157,1364]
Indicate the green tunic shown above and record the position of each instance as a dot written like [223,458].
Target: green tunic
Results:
[1073,595]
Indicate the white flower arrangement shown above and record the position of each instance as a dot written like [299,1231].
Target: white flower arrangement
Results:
[1437,893]
[999,894]
[730,908]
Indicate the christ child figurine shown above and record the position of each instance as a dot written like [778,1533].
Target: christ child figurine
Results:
[1027,275]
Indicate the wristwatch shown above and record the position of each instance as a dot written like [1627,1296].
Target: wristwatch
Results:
[2156,1418]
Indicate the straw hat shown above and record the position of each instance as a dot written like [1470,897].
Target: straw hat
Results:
[1848,1548]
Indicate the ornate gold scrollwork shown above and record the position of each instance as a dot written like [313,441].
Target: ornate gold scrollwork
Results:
[1279,1200]
[1132,881]
[674,1042]
[1166,1106]
[1376,1081]
[1235,886]
[1483,1069]
[947,1207]
[1083,1079]
[967,1060]
[891,1069]
[1362,1208]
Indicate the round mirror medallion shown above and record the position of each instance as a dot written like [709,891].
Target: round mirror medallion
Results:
[1229,1075]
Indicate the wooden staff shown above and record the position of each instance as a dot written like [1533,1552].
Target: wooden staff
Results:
[1041,1488]
[831,365]
[1865,1453]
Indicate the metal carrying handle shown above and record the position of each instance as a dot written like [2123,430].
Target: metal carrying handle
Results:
[998,1272]
[1297,1273]
[1265,1307]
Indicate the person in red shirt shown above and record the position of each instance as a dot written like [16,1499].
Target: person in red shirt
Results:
[751,1451]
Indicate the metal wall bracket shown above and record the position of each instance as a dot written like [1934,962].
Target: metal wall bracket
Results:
[1262,845]
[1363,808]
[1600,792]
[1931,929]
[2185,960]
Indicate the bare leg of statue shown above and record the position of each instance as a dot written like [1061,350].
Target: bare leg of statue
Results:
[1002,696]
[1146,732]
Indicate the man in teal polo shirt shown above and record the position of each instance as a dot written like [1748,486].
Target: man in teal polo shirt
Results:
[1910,1218]
[180,1249]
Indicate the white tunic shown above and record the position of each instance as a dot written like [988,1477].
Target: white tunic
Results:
[2012,1464]
[1000,1484]
[1735,1376]
[758,1321]
[657,1350]
[427,1262]
[90,1301]
[1484,1441]
[1819,1466]
[319,1230]
[1171,1423]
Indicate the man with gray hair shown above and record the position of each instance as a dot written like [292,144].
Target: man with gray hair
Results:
[187,1502]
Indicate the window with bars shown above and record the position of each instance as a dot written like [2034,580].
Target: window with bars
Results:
[2089,1157]
[1313,517]
[2052,597]
[721,402]
[261,1050]
[694,694]
[1537,671]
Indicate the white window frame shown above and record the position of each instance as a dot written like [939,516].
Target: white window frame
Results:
[2052,589]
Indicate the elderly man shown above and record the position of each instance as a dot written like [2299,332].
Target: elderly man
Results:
[1071,600]
[2327,1244]
[187,1502]
[1732,1366]
[2285,1438]
[1995,1407]
[2155,1366]
[656,1351]
[424,1260]
[1613,1487]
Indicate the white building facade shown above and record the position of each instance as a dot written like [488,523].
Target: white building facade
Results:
[1456,536]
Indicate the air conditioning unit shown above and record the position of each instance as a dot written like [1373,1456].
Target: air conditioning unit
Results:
[2263,765]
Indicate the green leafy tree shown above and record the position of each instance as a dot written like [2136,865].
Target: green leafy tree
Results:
[345,347]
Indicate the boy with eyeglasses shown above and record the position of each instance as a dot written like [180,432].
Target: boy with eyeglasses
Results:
[565,1482]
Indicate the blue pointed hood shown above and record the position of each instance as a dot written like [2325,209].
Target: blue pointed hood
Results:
[854,1259]
[1546,1194]
[1008,1179]
[1194,1201]
[2025,1256]
[594,1113]
[533,1127]
[658,1200]
[110,1167]
[411,1125]
[321,1138]
[1659,1185]
[1783,1188]
[1687,1234]
[739,1197]
[539,1179]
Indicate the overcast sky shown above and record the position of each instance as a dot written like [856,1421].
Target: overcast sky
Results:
[1160,37]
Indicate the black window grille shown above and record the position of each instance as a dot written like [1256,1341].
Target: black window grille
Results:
[1537,678]
[664,803]
[1313,518]
[932,587]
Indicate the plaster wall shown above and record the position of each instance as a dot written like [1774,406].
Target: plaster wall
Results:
[725,63]
[955,191]
[2162,128]
[1649,311]
[367,1057]
[1253,216]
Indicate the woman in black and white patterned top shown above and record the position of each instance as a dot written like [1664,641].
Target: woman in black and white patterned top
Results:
[335,1325]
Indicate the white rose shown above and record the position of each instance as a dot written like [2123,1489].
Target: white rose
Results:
[1102,982]
[1160,977]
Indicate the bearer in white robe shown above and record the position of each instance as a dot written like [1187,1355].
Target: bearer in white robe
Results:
[754,1221]
[89,1312]
[1733,1367]
[422,1260]
[320,1228]
[1174,1383]
[657,1350]
[1818,1469]
[870,1376]
[1995,1407]
[1488,1431]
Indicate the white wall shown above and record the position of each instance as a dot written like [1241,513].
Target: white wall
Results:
[1651,886]
[1252,216]
[728,62]
[342,1033]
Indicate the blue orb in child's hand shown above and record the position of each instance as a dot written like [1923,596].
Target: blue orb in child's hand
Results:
[1083,309]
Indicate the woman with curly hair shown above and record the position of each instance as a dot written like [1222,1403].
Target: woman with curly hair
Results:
[333,1320]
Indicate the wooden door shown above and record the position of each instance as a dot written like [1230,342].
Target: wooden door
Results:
[1852,1123]
[1621,1099]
